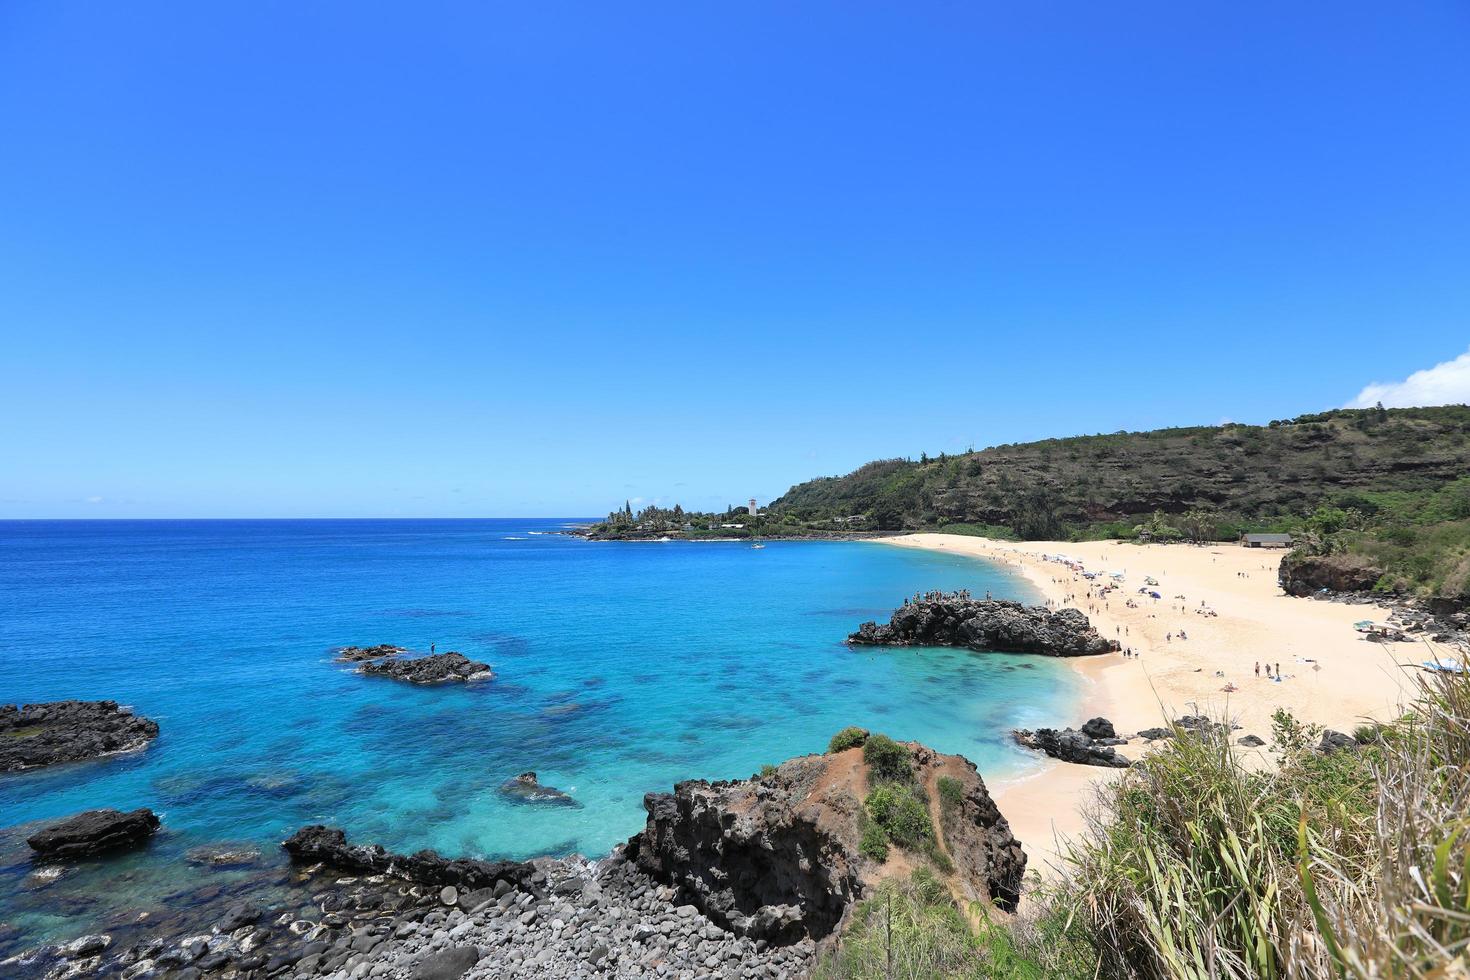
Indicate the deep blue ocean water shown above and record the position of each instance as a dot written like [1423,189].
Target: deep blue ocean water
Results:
[620,669]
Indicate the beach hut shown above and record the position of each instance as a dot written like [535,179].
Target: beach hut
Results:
[1266,540]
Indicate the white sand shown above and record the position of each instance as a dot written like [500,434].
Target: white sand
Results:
[1255,622]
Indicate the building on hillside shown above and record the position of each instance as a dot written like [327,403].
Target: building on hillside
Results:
[752,507]
[1266,540]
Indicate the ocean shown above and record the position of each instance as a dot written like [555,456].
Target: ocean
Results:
[620,668]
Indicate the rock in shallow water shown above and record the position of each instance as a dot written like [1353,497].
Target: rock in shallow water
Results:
[44,734]
[436,669]
[958,620]
[526,789]
[94,833]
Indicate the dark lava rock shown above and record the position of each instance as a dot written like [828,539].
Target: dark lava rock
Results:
[1156,733]
[437,669]
[329,845]
[1251,741]
[1200,723]
[379,652]
[1302,574]
[958,620]
[1072,746]
[1099,728]
[34,735]
[448,964]
[93,833]
[1332,741]
[776,858]
[526,789]
[243,914]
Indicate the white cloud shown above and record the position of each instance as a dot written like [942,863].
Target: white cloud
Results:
[94,500]
[1447,383]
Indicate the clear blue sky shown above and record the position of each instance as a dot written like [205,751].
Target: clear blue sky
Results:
[342,259]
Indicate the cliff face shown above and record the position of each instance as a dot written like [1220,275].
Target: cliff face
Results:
[957,620]
[1302,574]
[777,857]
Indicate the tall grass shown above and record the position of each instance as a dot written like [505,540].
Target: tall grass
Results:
[1202,863]
[912,929]
[1354,864]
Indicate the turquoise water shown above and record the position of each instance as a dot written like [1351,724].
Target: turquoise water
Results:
[620,668]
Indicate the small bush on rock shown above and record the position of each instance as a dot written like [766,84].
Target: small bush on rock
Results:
[901,815]
[849,738]
[951,791]
[874,843]
[887,760]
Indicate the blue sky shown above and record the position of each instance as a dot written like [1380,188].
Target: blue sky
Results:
[346,259]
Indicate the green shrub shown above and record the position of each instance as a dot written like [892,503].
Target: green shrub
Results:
[849,738]
[939,859]
[767,770]
[887,760]
[874,843]
[902,816]
[951,791]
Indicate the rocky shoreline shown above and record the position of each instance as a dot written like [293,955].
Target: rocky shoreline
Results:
[45,734]
[957,619]
[738,879]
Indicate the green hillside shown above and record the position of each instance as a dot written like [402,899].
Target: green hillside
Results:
[1230,477]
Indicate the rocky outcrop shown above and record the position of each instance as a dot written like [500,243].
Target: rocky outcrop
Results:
[958,620]
[44,734]
[436,669]
[776,857]
[328,845]
[1302,574]
[93,834]
[525,788]
[1074,746]
[1335,742]
[586,919]
[380,651]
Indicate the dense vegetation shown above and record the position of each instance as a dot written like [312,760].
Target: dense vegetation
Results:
[1233,477]
[1386,487]
[735,522]
[1200,864]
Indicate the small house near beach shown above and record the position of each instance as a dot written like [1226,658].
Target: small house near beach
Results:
[1266,540]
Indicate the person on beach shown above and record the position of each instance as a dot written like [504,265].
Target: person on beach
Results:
[1258,668]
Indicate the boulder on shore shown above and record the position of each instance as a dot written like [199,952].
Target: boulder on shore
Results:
[525,788]
[1073,746]
[94,833]
[33,735]
[956,619]
[328,845]
[776,857]
[436,669]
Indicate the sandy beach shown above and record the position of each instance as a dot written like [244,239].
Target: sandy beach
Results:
[1232,615]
